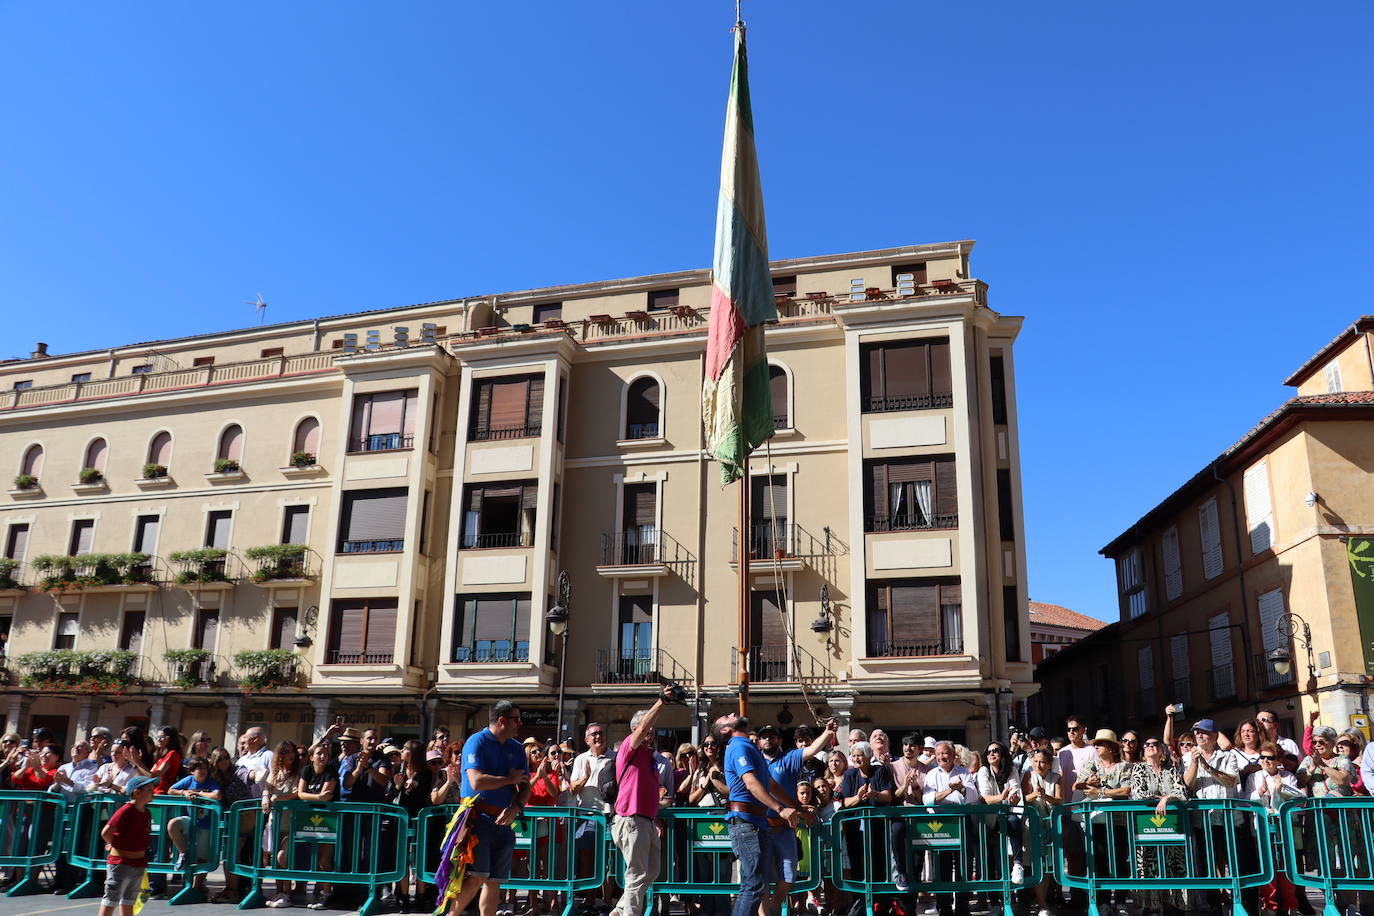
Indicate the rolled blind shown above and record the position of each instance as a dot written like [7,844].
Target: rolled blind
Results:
[777,386]
[409,408]
[951,594]
[161,450]
[636,609]
[95,455]
[770,498]
[768,625]
[529,496]
[18,541]
[131,631]
[375,515]
[873,364]
[906,471]
[482,407]
[508,401]
[535,412]
[33,461]
[380,637]
[284,628]
[946,490]
[307,436]
[493,618]
[878,489]
[915,614]
[386,413]
[83,535]
[641,505]
[231,443]
[940,380]
[348,627]
[522,620]
[907,370]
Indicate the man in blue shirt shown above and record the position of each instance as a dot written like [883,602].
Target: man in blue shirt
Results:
[496,771]
[752,798]
[786,771]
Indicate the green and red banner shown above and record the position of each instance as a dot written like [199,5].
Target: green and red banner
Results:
[1360,553]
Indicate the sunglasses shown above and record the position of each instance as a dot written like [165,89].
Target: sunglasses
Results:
[1153,744]
[1077,728]
[1129,741]
[1268,757]
[1186,744]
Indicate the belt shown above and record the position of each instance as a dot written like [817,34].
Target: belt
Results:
[749,808]
[488,808]
[777,823]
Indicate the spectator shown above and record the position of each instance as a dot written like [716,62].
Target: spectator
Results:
[882,747]
[414,782]
[37,770]
[949,783]
[11,758]
[100,739]
[927,757]
[786,773]
[1155,779]
[753,796]
[835,766]
[1268,721]
[1041,789]
[167,767]
[1130,746]
[591,787]
[232,788]
[280,786]
[256,760]
[1211,773]
[1077,754]
[197,785]
[1273,786]
[868,784]
[999,783]
[319,783]
[199,745]
[123,766]
[636,806]
[1106,777]
[73,779]
[908,772]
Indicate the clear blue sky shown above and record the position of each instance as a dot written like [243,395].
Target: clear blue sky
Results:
[1176,196]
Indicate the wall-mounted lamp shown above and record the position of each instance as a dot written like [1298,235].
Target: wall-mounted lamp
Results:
[1311,499]
[822,623]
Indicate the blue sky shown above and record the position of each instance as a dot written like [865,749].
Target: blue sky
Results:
[1177,197]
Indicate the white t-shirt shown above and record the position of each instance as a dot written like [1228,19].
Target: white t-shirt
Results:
[600,774]
[1071,760]
[258,764]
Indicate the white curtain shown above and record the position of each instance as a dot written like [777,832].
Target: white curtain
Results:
[923,503]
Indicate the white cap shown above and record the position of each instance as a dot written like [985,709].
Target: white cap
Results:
[930,742]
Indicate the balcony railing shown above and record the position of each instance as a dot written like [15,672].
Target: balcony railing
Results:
[288,566]
[488,433]
[646,666]
[640,545]
[201,672]
[1266,678]
[201,566]
[910,522]
[12,575]
[780,663]
[381,442]
[498,539]
[382,545]
[1221,682]
[641,431]
[912,402]
[358,658]
[951,644]
[782,421]
[519,652]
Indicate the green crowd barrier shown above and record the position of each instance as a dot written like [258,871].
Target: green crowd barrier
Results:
[1336,839]
[1126,847]
[31,832]
[328,843]
[200,831]
[547,839]
[970,848]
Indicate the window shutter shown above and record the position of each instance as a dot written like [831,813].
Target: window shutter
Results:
[777,386]
[1258,511]
[410,407]
[946,490]
[207,629]
[375,516]
[494,621]
[217,529]
[83,536]
[284,628]
[362,416]
[161,450]
[131,631]
[908,371]
[33,461]
[1145,656]
[1333,377]
[636,609]
[1271,608]
[483,408]
[18,542]
[307,437]
[145,533]
[380,638]
[535,413]
[768,624]
[348,628]
[95,455]
[508,400]
[522,620]
[879,634]
[231,443]
[1173,565]
[876,388]
[1220,634]
[770,498]
[906,471]
[386,413]
[295,525]
[940,379]
[1178,654]
[1210,529]
[878,490]
[529,496]
[915,615]
[640,505]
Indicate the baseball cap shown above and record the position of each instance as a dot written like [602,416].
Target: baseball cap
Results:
[433,756]
[930,742]
[139,782]
[768,730]
[1039,732]
[1204,725]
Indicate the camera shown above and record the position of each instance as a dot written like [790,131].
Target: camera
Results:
[675,693]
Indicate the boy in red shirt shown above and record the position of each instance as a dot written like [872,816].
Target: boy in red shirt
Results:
[126,835]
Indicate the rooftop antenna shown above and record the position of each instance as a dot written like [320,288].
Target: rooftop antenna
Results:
[261,306]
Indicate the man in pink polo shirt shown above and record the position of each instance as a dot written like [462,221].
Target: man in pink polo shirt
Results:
[636,806]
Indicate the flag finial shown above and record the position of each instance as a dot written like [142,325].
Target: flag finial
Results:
[739,20]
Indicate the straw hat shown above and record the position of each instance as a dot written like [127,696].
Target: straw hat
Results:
[1106,736]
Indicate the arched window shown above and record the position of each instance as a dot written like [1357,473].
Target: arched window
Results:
[307,438]
[95,455]
[33,461]
[777,384]
[231,443]
[641,409]
[160,449]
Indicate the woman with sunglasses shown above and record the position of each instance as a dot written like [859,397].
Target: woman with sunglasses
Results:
[1155,779]
[708,789]
[999,783]
[1130,746]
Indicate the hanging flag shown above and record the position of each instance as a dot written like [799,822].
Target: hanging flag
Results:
[737,402]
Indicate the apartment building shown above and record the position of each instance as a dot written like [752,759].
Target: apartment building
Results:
[367,515]
[1246,587]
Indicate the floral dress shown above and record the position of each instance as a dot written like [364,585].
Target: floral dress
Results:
[1147,784]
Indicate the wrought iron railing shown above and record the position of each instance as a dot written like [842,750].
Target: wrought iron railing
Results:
[638,666]
[780,663]
[913,521]
[359,658]
[517,652]
[641,431]
[1266,678]
[472,541]
[1221,682]
[293,566]
[782,421]
[642,544]
[488,433]
[949,644]
[383,545]
[381,442]
[911,402]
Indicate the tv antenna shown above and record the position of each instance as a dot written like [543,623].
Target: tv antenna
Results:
[261,305]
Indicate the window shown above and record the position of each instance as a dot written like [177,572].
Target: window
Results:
[785,286]
[131,631]
[1145,662]
[1005,520]
[1131,575]
[434,423]
[364,632]
[1178,659]
[68,625]
[768,511]
[636,645]
[907,375]
[768,642]
[915,617]
[145,533]
[663,299]
[492,628]
[206,634]
[777,386]
[562,405]
[23,384]
[16,541]
[1271,610]
[917,271]
[230,443]
[160,450]
[549,311]
[141,370]
[424,524]
[998,390]
[203,361]
[641,409]
[6,624]
[307,438]
[81,376]
[295,526]
[373,521]
[501,515]
[1332,372]
[1223,672]
[383,421]
[269,352]
[1259,513]
[82,537]
[1011,622]
[283,628]
[95,455]
[33,461]
[1173,565]
[637,540]
[218,523]
[911,494]
[1210,529]
[507,408]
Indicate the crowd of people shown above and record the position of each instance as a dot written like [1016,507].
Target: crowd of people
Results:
[768,787]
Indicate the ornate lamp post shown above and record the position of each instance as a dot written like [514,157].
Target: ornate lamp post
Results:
[1289,626]
[557,618]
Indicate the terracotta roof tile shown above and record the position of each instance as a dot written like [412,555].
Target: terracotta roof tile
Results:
[1055,615]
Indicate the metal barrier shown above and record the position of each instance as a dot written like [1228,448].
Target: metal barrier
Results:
[31,832]
[547,838]
[1336,836]
[970,846]
[331,843]
[1126,846]
[200,832]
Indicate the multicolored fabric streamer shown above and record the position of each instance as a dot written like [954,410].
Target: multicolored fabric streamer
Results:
[737,403]
[145,894]
[455,854]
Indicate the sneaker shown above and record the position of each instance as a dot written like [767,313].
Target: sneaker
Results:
[932,908]
[318,904]
[1043,912]
[1018,873]
[899,880]
[279,901]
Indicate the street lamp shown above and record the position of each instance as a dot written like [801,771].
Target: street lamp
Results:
[1288,627]
[557,618]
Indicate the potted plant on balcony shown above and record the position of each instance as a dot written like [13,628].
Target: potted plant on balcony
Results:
[25,482]
[205,564]
[57,572]
[266,669]
[226,466]
[154,471]
[278,561]
[188,667]
[302,459]
[105,671]
[7,568]
[91,476]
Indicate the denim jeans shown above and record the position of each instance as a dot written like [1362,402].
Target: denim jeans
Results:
[755,865]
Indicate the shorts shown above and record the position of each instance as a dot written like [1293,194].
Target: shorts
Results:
[784,843]
[122,884]
[492,855]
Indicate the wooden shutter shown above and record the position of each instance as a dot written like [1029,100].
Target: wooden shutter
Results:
[83,536]
[1145,661]
[640,505]
[878,490]
[380,638]
[940,379]
[534,414]
[378,515]
[295,525]
[777,386]
[1173,565]
[1210,530]
[915,614]
[906,370]
[145,533]
[1178,657]
[307,437]
[508,402]
[482,407]
[767,624]
[283,627]
[946,489]
[386,413]
[1259,513]
[348,627]
[1220,634]
[529,496]
[217,529]
[907,471]
[131,631]
[207,628]
[1271,608]
[410,408]
[231,443]
[33,461]
[95,455]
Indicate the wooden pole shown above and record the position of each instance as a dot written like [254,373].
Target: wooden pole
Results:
[744,545]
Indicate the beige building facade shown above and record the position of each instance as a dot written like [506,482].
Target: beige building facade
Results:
[366,515]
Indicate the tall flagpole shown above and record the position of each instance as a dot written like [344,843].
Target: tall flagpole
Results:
[744,547]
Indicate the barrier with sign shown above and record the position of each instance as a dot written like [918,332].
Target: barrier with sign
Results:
[1125,846]
[548,839]
[201,832]
[333,843]
[1337,835]
[31,830]
[971,846]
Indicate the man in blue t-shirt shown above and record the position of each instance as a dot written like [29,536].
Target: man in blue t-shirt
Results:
[753,797]
[496,771]
[786,771]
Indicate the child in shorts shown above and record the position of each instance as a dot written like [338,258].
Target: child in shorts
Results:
[127,835]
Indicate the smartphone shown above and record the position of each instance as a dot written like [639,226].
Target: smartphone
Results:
[1178,709]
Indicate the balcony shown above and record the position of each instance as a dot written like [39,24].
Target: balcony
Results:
[644,666]
[336,657]
[643,550]
[94,571]
[267,669]
[913,402]
[915,521]
[1221,683]
[12,575]
[776,546]
[109,671]
[493,433]
[208,567]
[192,668]
[508,539]
[1266,678]
[492,654]
[280,564]
[780,664]
[381,442]
[384,545]
[951,644]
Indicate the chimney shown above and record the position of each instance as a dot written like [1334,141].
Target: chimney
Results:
[40,351]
